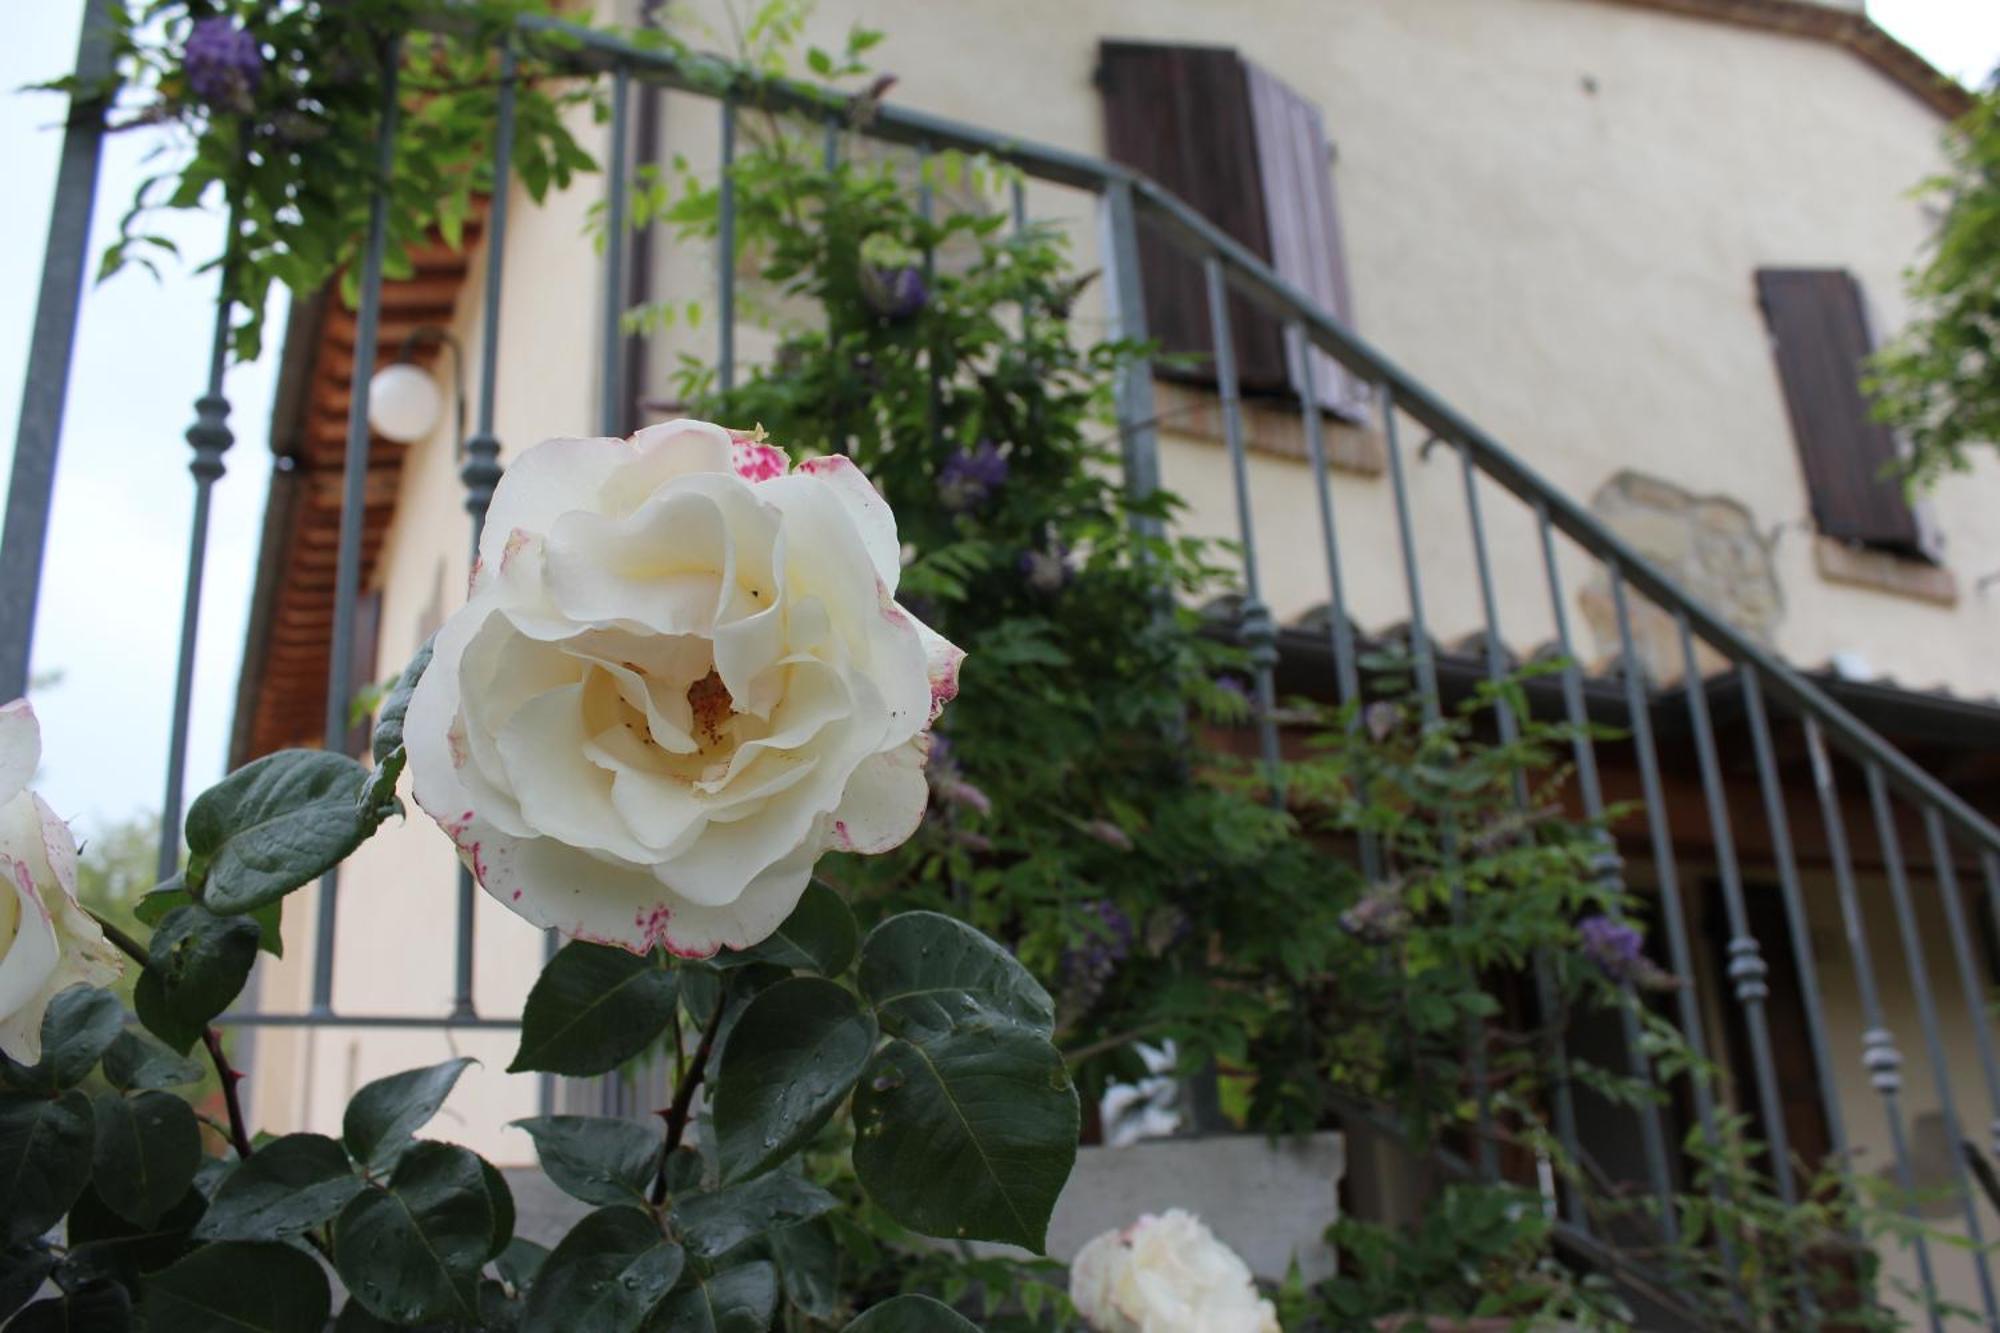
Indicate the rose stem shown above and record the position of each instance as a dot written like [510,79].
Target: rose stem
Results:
[677,1114]
[239,1136]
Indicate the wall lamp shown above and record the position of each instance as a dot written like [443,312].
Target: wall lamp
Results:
[404,400]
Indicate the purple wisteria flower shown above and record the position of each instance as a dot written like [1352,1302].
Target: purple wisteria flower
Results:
[1109,834]
[1108,936]
[948,781]
[1380,917]
[1619,951]
[969,477]
[895,292]
[224,65]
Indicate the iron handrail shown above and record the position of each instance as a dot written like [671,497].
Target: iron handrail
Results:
[584,51]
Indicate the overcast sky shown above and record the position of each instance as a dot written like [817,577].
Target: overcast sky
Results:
[111,597]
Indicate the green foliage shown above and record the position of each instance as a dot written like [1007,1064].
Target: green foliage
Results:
[265,1287]
[278,823]
[297,159]
[1939,381]
[593,1008]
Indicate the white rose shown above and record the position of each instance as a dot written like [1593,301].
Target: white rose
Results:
[1167,1274]
[47,942]
[680,677]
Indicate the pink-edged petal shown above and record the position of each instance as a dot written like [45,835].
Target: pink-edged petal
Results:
[871,514]
[28,963]
[20,748]
[942,658]
[884,800]
[756,461]
[663,453]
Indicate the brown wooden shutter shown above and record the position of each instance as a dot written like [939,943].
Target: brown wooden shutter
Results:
[1306,246]
[1819,333]
[1181,114]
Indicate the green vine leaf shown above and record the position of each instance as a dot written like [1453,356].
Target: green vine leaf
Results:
[256,1288]
[732,1301]
[968,1136]
[147,1148]
[597,1159]
[382,1116]
[928,975]
[196,964]
[78,1027]
[912,1314]
[819,936]
[714,1224]
[286,1186]
[593,1008]
[606,1276]
[792,1058]
[104,1305]
[132,1064]
[411,1253]
[276,824]
[45,1148]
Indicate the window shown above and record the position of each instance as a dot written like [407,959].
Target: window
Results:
[1819,334]
[1250,154]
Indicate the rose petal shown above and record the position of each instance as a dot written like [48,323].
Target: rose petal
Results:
[20,749]
[869,512]
[884,801]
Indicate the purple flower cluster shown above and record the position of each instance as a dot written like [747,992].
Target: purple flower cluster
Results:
[1619,951]
[1380,917]
[948,782]
[223,64]
[969,477]
[894,291]
[1109,943]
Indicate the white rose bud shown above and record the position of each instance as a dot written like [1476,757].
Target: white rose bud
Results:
[47,942]
[1167,1274]
[680,677]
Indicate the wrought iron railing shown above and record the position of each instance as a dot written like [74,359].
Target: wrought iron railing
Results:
[1775,701]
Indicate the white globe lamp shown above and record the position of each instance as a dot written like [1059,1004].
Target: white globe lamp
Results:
[404,403]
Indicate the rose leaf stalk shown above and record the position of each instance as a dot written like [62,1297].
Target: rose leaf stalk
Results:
[676,1114]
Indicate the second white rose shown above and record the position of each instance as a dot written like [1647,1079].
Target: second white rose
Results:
[680,678]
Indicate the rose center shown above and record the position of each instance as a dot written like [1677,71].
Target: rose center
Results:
[708,698]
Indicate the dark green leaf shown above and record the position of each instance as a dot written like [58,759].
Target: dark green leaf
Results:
[102,1307]
[595,1159]
[520,1261]
[283,1188]
[77,1028]
[412,1252]
[273,825]
[133,1063]
[355,1318]
[736,1300]
[501,1199]
[148,1146]
[153,907]
[197,963]
[385,1113]
[593,1008]
[22,1269]
[717,1223]
[701,991]
[236,1285]
[927,974]
[912,1314]
[808,1266]
[969,1136]
[103,1245]
[792,1059]
[44,1160]
[500,1311]
[388,735]
[606,1276]
[819,936]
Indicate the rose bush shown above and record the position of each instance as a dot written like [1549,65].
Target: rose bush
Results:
[47,942]
[1167,1274]
[679,679]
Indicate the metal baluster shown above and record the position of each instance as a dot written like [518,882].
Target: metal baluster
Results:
[1132,393]
[210,437]
[1968,972]
[480,472]
[1879,1055]
[51,349]
[1510,731]
[1662,836]
[1747,968]
[830,146]
[611,411]
[1259,634]
[1427,683]
[1017,198]
[1608,867]
[353,498]
[725,239]
[1347,677]
[1992,861]
[1795,910]
[1913,958]
[1420,639]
